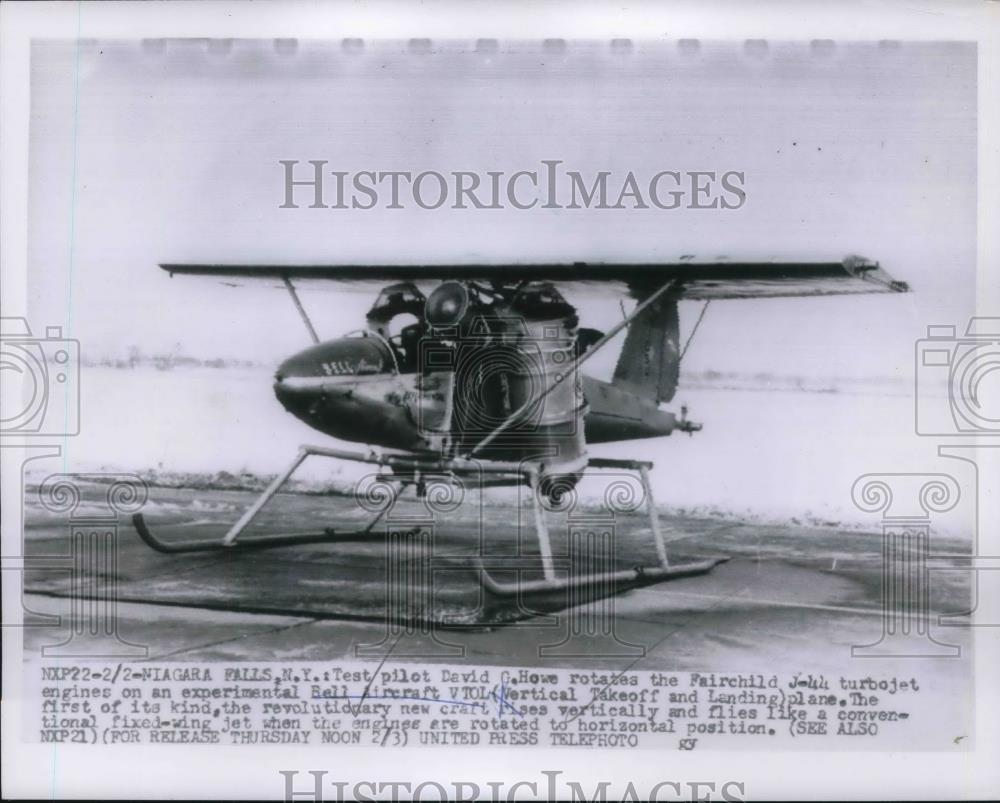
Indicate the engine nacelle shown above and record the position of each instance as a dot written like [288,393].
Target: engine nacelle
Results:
[519,360]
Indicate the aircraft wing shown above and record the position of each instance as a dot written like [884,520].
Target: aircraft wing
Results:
[693,279]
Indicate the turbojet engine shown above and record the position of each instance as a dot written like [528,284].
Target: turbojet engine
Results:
[513,354]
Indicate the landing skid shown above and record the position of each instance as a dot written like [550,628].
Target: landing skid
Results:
[328,535]
[616,582]
[408,469]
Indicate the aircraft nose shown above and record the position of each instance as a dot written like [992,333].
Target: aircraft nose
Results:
[316,382]
[292,395]
[303,364]
[312,399]
[290,370]
[286,388]
[298,383]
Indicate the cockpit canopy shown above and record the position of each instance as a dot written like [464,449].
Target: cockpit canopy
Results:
[394,300]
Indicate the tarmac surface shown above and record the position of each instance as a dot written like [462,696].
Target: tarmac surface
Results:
[789,597]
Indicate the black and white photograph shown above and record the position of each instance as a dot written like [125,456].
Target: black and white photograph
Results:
[539,402]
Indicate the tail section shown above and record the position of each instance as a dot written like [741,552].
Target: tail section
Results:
[649,363]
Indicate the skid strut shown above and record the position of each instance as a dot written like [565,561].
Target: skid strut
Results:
[268,541]
[620,579]
[408,468]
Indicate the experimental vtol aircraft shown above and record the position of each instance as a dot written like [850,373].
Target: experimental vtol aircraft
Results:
[485,383]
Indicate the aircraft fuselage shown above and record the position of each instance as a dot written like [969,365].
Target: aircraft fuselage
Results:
[351,389]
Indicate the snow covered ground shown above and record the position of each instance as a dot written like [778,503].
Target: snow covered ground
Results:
[769,451]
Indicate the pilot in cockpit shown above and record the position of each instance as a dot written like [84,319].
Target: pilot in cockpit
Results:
[384,320]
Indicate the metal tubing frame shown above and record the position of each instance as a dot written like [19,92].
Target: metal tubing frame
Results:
[654,518]
[624,578]
[263,542]
[405,462]
[257,542]
[642,467]
[530,473]
[541,530]
[636,576]
[415,464]
[252,511]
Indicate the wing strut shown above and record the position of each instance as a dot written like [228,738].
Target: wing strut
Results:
[300,308]
[571,371]
[695,330]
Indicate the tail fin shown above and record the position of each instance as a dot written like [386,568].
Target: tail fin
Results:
[649,364]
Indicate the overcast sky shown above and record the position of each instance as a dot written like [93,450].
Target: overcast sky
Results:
[168,152]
